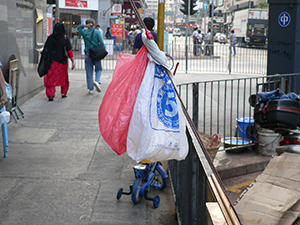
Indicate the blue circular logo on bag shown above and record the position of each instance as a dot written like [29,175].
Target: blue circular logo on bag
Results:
[167,110]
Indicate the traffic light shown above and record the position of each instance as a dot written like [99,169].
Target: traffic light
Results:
[185,7]
[193,4]
[53,11]
[210,10]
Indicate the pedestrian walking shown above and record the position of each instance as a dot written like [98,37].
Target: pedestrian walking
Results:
[207,41]
[99,28]
[199,37]
[92,37]
[233,42]
[57,49]
[195,40]
[108,34]
[74,36]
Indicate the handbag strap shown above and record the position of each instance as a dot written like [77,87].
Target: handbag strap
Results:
[92,38]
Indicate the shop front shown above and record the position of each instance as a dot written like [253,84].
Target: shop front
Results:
[76,12]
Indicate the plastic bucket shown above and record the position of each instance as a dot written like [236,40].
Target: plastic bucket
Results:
[268,142]
[243,123]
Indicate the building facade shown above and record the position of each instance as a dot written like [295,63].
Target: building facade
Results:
[23,29]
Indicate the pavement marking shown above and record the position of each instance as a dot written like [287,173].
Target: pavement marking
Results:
[235,188]
[257,57]
[223,56]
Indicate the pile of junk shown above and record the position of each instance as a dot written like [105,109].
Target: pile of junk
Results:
[277,122]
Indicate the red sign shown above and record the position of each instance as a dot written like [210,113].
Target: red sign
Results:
[117,30]
[49,25]
[130,15]
[117,9]
[76,3]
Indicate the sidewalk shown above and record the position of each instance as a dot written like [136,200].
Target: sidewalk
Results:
[60,171]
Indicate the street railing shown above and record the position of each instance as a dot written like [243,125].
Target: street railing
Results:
[222,106]
[219,59]
[214,107]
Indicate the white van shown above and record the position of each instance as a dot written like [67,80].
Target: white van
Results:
[176,32]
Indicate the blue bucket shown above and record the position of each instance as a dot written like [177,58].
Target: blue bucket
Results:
[243,123]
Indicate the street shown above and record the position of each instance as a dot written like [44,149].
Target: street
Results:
[247,60]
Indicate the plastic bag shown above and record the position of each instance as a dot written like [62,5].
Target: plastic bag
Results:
[139,112]
[157,127]
[119,99]
[4,117]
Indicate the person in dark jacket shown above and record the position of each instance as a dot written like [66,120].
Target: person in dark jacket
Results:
[138,43]
[57,49]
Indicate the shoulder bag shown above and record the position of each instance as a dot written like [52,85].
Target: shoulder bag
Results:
[43,66]
[98,52]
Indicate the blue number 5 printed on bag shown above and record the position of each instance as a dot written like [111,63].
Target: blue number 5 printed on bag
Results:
[164,109]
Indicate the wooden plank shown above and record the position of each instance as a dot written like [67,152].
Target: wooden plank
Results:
[215,213]
[219,200]
[225,201]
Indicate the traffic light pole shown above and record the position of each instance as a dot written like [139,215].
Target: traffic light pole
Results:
[212,21]
[213,27]
[186,35]
[57,12]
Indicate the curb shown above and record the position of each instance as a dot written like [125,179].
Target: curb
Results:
[226,173]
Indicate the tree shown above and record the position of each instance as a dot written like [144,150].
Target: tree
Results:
[263,5]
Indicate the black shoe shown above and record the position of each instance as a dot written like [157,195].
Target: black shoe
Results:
[51,99]
[64,96]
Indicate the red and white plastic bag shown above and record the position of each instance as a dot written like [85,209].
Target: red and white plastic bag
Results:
[140,112]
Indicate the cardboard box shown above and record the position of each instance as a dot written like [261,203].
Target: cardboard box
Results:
[273,198]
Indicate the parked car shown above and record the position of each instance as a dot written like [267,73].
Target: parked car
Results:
[169,29]
[220,37]
[176,32]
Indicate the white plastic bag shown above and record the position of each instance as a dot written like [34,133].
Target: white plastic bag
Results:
[4,117]
[157,127]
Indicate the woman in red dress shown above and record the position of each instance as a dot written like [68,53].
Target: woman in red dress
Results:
[57,50]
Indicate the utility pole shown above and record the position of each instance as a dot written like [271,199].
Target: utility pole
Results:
[161,24]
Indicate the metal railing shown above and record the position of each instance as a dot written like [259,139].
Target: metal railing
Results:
[189,184]
[214,106]
[217,107]
[247,60]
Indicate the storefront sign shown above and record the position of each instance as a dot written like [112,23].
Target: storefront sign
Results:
[122,21]
[49,24]
[117,30]
[117,9]
[128,11]
[76,3]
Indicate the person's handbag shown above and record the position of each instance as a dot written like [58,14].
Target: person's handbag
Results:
[43,66]
[98,52]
